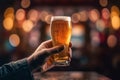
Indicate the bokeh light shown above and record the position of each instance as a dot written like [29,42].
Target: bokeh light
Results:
[83,15]
[105,13]
[115,20]
[25,3]
[112,41]
[94,15]
[75,18]
[115,8]
[9,12]
[20,14]
[33,15]
[100,25]
[78,32]
[48,19]
[103,3]
[43,14]
[114,11]
[14,40]
[8,23]
[27,25]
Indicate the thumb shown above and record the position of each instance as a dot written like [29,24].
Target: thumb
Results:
[55,49]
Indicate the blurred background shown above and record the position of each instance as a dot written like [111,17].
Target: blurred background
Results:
[24,24]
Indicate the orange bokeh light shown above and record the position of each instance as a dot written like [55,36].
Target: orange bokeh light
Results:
[20,14]
[27,25]
[112,41]
[25,3]
[14,40]
[115,20]
[94,15]
[33,15]
[8,23]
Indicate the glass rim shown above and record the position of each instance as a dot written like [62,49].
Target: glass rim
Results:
[65,18]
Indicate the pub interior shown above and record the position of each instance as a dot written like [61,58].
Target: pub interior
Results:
[24,24]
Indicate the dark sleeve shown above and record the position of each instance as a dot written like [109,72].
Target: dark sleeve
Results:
[18,70]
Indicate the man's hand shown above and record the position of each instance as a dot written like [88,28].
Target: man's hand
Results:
[43,51]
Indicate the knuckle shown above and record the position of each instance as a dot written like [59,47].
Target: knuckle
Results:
[42,43]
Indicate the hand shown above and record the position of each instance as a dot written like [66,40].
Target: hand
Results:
[43,51]
[49,63]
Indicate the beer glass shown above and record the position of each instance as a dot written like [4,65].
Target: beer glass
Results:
[61,28]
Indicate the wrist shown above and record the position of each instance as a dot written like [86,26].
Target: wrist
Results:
[33,63]
[30,63]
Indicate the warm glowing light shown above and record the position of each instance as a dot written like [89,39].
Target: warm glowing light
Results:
[25,3]
[112,41]
[103,3]
[11,15]
[48,19]
[105,13]
[115,8]
[43,14]
[100,25]
[14,40]
[114,11]
[8,23]
[20,14]
[75,18]
[27,25]
[83,16]
[78,33]
[33,15]
[94,15]
[9,12]
[115,22]
[78,30]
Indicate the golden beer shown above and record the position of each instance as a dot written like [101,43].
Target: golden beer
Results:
[61,34]
[47,65]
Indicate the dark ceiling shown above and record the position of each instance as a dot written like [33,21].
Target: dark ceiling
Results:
[52,2]
[59,2]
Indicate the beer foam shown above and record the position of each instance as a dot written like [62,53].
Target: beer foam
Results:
[65,18]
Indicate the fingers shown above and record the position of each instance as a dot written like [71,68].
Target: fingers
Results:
[49,49]
[55,49]
[48,44]
[70,52]
[70,44]
[48,41]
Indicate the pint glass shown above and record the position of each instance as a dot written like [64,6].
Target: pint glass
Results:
[61,28]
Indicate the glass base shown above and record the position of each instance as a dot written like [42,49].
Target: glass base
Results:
[62,63]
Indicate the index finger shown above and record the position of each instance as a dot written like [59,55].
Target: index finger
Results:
[48,43]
